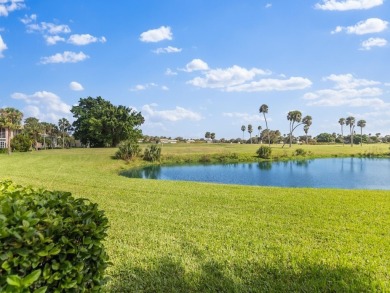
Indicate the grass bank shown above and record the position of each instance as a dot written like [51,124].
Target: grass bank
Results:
[168,236]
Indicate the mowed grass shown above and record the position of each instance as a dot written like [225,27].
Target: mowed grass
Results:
[168,236]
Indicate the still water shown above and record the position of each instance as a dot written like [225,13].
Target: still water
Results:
[349,173]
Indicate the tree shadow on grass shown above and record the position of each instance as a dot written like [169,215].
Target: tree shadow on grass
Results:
[169,275]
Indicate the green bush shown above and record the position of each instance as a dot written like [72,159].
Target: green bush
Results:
[50,241]
[152,153]
[21,143]
[300,152]
[128,150]
[264,152]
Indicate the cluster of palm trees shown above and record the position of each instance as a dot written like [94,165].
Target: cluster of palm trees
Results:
[11,120]
[350,121]
[294,117]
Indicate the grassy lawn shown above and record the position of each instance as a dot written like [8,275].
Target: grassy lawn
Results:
[168,236]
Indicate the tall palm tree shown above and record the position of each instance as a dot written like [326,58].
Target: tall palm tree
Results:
[10,119]
[243,131]
[64,126]
[259,129]
[212,135]
[361,124]
[34,128]
[342,122]
[250,130]
[351,122]
[307,121]
[264,109]
[306,130]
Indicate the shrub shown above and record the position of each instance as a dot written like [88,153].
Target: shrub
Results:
[264,152]
[152,153]
[21,143]
[300,152]
[128,150]
[50,241]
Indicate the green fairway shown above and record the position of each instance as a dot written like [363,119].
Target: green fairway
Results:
[168,236]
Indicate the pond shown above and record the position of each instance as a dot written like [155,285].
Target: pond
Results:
[348,173]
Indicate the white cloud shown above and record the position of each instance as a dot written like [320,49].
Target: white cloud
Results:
[168,49]
[3,47]
[29,19]
[195,65]
[174,115]
[48,28]
[373,42]
[268,5]
[244,117]
[85,39]
[52,40]
[66,57]
[347,91]
[368,26]
[223,78]
[142,87]
[156,35]
[269,84]
[165,88]
[44,105]
[348,4]
[7,6]
[170,72]
[345,81]
[75,86]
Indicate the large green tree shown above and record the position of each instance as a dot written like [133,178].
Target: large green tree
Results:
[264,109]
[243,128]
[10,119]
[98,123]
[361,124]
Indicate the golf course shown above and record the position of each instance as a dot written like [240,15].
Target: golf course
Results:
[179,236]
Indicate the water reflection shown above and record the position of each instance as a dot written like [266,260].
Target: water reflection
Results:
[351,173]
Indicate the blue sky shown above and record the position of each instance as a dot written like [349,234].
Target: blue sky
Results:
[199,65]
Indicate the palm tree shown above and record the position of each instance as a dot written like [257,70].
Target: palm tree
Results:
[250,130]
[361,124]
[342,122]
[207,134]
[243,131]
[33,127]
[212,135]
[264,109]
[351,122]
[64,126]
[296,117]
[10,119]
[259,129]
[306,130]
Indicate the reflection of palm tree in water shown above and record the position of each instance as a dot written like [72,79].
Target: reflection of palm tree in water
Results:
[152,172]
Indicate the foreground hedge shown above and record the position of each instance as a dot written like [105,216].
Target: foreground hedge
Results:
[50,241]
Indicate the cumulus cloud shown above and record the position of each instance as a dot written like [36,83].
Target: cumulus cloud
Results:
[52,40]
[369,26]
[348,4]
[170,72]
[7,6]
[165,88]
[373,42]
[195,65]
[174,115]
[3,47]
[156,35]
[85,39]
[48,28]
[244,117]
[142,87]
[347,91]
[268,5]
[270,84]
[168,49]
[239,79]
[75,86]
[44,105]
[66,57]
